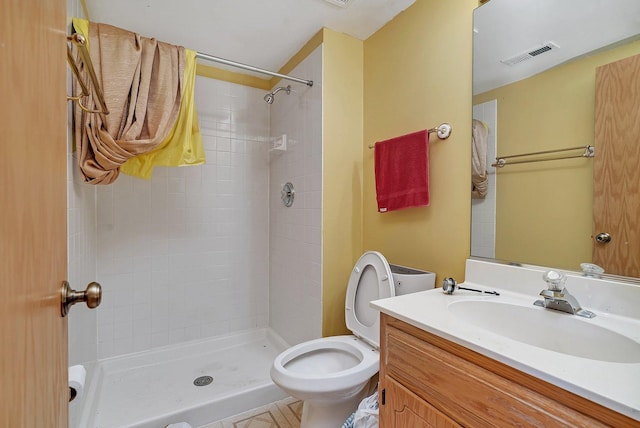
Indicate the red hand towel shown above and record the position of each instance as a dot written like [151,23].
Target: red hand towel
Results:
[402,172]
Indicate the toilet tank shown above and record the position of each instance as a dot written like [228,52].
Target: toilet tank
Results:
[408,280]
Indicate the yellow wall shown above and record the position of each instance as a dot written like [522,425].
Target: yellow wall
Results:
[296,59]
[211,72]
[342,94]
[543,210]
[417,74]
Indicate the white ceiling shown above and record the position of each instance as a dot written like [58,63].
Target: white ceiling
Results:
[261,33]
[505,28]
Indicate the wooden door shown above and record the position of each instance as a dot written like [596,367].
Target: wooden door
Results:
[33,249]
[616,168]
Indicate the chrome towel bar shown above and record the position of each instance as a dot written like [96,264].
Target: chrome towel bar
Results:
[588,152]
[443,131]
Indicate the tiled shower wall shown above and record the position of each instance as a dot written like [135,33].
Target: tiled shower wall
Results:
[81,264]
[295,296]
[483,211]
[185,255]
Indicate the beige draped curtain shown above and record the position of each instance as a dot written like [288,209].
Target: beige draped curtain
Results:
[142,81]
[479,178]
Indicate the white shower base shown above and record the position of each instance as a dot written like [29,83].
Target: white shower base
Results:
[155,388]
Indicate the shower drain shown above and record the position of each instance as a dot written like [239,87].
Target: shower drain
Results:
[203,381]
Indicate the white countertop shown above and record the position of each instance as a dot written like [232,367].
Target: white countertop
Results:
[614,385]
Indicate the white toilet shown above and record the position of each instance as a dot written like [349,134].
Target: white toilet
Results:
[331,374]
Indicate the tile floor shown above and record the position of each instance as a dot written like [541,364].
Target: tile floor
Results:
[281,414]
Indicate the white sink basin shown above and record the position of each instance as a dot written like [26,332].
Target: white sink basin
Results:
[548,329]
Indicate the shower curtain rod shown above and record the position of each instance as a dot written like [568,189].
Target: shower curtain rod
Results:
[251,68]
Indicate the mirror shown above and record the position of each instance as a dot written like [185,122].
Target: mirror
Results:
[534,90]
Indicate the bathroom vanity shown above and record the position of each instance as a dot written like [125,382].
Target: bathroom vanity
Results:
[485,361]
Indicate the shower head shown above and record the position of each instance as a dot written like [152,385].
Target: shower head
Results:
[269,97]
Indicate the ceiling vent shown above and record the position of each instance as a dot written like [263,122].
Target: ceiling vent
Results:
[531,53]
[341,3]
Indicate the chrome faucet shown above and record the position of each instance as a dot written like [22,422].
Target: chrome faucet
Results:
[557,297]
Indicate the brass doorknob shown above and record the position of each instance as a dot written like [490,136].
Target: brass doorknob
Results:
[92,296]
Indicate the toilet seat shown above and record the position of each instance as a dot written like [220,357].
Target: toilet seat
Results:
[370,279]
[365,363]
[352,359]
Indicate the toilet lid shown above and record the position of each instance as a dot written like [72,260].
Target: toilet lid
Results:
[371,279]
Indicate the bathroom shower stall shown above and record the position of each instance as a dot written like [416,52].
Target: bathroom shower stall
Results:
[206,274]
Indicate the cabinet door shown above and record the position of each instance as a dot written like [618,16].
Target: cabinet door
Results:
[404,409]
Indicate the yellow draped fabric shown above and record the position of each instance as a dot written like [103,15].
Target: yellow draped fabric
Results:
[183,145]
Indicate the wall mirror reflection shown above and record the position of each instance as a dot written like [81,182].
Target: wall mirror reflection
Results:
[551,75]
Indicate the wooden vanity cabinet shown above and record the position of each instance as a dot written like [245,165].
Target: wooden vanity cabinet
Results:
[427,381]
[403,408]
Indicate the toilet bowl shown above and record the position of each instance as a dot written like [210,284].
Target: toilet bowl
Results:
[332,374]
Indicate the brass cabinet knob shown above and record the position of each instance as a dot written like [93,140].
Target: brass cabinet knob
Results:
[92,296]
